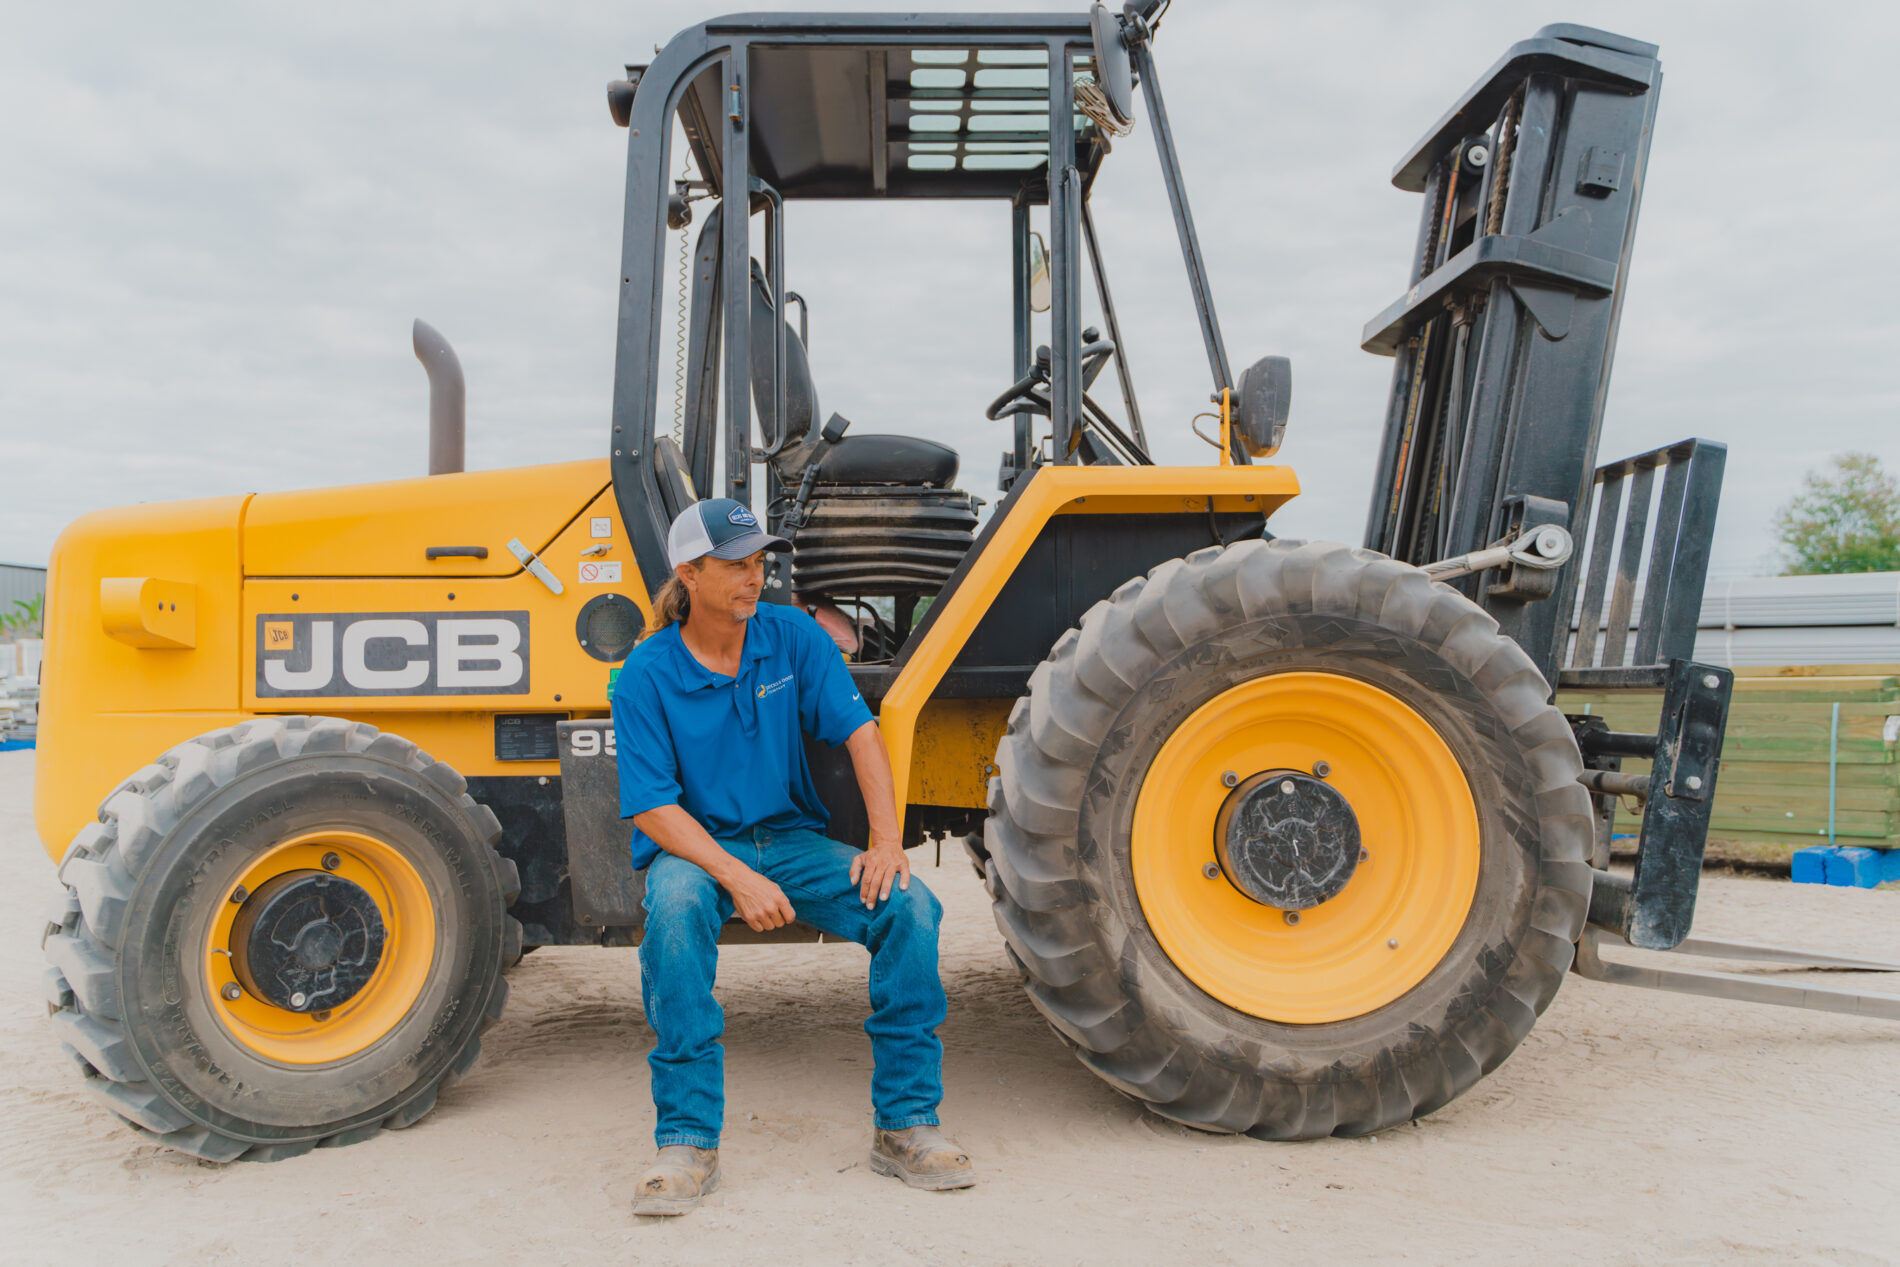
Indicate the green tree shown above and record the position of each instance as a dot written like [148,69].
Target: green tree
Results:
[26,621]
[1846,519]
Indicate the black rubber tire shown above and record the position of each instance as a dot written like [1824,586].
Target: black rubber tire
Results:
[979,856]
[1072,763]
[170,839]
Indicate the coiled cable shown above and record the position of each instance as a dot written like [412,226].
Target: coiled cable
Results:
[682,285]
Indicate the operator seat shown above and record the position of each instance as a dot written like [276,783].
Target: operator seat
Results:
[878,517]
[852,460]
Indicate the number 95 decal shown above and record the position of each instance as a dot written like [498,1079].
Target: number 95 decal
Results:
[590,743]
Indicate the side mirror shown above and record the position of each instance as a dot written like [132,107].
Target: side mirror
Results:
[1114,73]
[620,95]
[1038,273]
[1261,403]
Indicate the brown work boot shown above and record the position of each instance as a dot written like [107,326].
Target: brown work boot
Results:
[676,1180]
[922,1158]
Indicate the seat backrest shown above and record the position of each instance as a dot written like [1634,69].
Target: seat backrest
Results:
[801,398]
[676,486]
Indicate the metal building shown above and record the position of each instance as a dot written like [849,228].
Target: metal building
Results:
[1847,619]
[1748,621]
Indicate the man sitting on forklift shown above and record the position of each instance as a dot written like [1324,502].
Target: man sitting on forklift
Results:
[709,711]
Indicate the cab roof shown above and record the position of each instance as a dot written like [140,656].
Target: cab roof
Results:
[893,105]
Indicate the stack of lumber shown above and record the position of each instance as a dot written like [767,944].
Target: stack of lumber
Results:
[1773,786]
[19,693]
[19,713]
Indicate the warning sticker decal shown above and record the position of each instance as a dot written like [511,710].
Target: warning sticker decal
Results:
[598,573]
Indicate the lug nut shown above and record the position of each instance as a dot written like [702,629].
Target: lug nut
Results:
[240,893]
[1287,787]
[232,991]
[1321,769]
[1291,917]
[1211,870]
[299,999]
[1364,856]
[1391,943]
[1711,681]
[1229,779]
[1695,782]
[331,862]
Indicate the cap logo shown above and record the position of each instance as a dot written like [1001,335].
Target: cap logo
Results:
[745,518]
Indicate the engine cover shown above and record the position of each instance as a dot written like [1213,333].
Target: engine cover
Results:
[871,540]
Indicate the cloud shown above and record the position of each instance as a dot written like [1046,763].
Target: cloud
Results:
[218,223]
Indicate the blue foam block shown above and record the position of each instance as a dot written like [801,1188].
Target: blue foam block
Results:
[1889,865]
[1810,865]
[15,745]
[1854,867]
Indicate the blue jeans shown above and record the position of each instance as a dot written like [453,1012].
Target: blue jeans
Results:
[679,957]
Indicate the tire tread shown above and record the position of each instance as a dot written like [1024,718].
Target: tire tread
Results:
[1069,943]
[100,872]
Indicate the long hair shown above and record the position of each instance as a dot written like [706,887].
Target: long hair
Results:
[671,606]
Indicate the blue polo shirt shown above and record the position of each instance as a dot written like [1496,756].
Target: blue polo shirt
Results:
[729,750]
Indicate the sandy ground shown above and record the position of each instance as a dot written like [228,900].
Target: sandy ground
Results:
[1629,1127]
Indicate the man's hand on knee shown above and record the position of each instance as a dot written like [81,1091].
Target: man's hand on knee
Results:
[874,870]
[759,902]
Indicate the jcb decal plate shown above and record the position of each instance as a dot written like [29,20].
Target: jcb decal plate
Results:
[329,654]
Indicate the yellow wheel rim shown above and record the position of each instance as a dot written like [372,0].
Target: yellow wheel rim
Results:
[317,1038]
[1394,920]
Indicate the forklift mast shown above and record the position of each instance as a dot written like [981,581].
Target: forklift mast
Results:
[1502,347]
[1503,340]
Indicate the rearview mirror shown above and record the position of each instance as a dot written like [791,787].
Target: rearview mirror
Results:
[1114,74]
[1038,274]
[1261,403]
[620,101]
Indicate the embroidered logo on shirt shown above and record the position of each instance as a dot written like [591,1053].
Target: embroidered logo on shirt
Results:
[771,688]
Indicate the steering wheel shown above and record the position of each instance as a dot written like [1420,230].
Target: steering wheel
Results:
[1021,396]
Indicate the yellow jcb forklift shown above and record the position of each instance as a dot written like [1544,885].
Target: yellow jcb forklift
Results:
[1285,838]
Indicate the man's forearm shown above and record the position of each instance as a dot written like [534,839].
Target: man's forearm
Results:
[755,899]
[873,766]
[679,833]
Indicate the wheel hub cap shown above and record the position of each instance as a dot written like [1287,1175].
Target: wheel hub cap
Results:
[307,941]
[1287,840]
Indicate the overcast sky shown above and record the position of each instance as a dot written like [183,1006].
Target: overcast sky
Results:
[217,221]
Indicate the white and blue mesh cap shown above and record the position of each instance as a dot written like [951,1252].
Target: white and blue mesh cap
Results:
[721,527]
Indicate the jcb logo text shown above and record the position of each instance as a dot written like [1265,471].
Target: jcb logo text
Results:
[392,653]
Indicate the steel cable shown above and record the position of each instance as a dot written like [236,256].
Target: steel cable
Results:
[682,286]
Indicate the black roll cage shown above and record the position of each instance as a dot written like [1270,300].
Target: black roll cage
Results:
[705,76]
